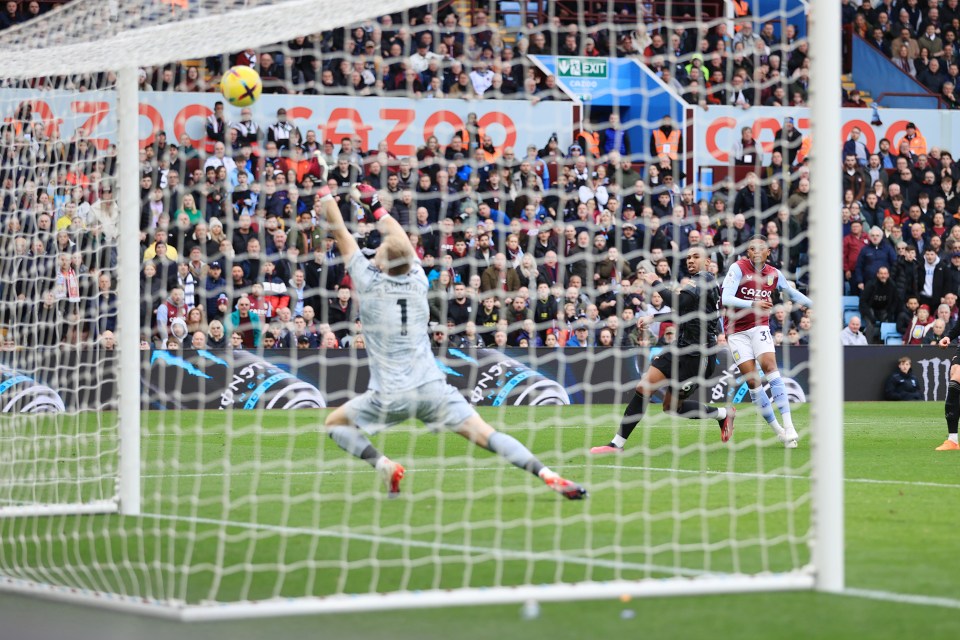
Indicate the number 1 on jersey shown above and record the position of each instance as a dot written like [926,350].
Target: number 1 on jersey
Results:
[403,315]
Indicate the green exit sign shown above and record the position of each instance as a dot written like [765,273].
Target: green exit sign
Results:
[582,67]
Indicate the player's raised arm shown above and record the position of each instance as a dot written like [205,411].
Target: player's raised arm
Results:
[345,240]
[399,254]
[792,292]
[670,295]
[386,224]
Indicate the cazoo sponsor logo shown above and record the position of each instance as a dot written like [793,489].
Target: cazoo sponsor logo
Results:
[755,294]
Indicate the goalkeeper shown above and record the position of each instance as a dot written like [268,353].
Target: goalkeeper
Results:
[405,381]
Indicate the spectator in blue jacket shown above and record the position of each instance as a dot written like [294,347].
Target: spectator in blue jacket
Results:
[873,256]
[214,285]
[580,337]
[614,138]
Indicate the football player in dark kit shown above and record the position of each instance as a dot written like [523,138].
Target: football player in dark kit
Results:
[951,408]
[682,365]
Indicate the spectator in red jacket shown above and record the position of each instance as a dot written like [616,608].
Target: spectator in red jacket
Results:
[853,242]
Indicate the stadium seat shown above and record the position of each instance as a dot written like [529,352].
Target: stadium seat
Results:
[847,314]
[851,302]
[893,340]
[889,330]
[511,15]
[510,20]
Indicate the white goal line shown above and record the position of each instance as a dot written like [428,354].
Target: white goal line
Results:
[510,554]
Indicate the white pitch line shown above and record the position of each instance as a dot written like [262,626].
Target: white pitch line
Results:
[735,474]
[784,476]
[905,598]
[658,421]
[500,554]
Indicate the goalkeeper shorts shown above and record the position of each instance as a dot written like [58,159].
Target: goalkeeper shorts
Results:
[437,404]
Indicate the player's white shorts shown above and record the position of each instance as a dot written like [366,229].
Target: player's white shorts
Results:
[747,345]
[436,404]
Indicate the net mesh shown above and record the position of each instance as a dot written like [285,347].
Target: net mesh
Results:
[536,134]
[59,306]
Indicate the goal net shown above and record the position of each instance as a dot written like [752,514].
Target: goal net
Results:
[177,321]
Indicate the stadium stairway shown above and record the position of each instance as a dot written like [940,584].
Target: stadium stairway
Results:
[849,85]
[463,9]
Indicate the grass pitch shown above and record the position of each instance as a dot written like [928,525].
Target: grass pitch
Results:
[255,496]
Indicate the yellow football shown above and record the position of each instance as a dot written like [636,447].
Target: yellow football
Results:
[241,86]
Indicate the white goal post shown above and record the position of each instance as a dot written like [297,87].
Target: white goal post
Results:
[196,494]
[826,416]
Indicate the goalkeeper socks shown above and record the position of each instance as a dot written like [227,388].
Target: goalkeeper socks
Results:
[779,392]
[354,442]
[516,454]
[951,409]
[759,397]
[693,410]
[632,415]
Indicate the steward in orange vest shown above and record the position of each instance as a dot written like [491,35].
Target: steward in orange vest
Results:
[665,141]
[589,141]
[741,10]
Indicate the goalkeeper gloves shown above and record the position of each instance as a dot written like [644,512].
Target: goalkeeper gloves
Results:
[369,197]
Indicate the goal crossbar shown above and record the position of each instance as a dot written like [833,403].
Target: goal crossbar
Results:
[34,49]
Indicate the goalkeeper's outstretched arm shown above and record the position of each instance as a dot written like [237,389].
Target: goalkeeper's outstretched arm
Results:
[399,254]
[346,243]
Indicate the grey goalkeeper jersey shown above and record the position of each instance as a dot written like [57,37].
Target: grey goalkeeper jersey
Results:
[395,317]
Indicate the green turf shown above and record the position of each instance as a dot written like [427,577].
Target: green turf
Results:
[668,507]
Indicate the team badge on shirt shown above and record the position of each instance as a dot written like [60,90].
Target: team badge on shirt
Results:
[769,281]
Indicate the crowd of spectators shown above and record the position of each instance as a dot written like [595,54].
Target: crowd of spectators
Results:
[19,11]
[713,63]
[542,249]
[919,37]
[543,246]
[433,52]
[901,246]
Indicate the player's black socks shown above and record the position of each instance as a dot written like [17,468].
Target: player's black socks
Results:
[951,407]
[632,415]
[693,410]
[354,442]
